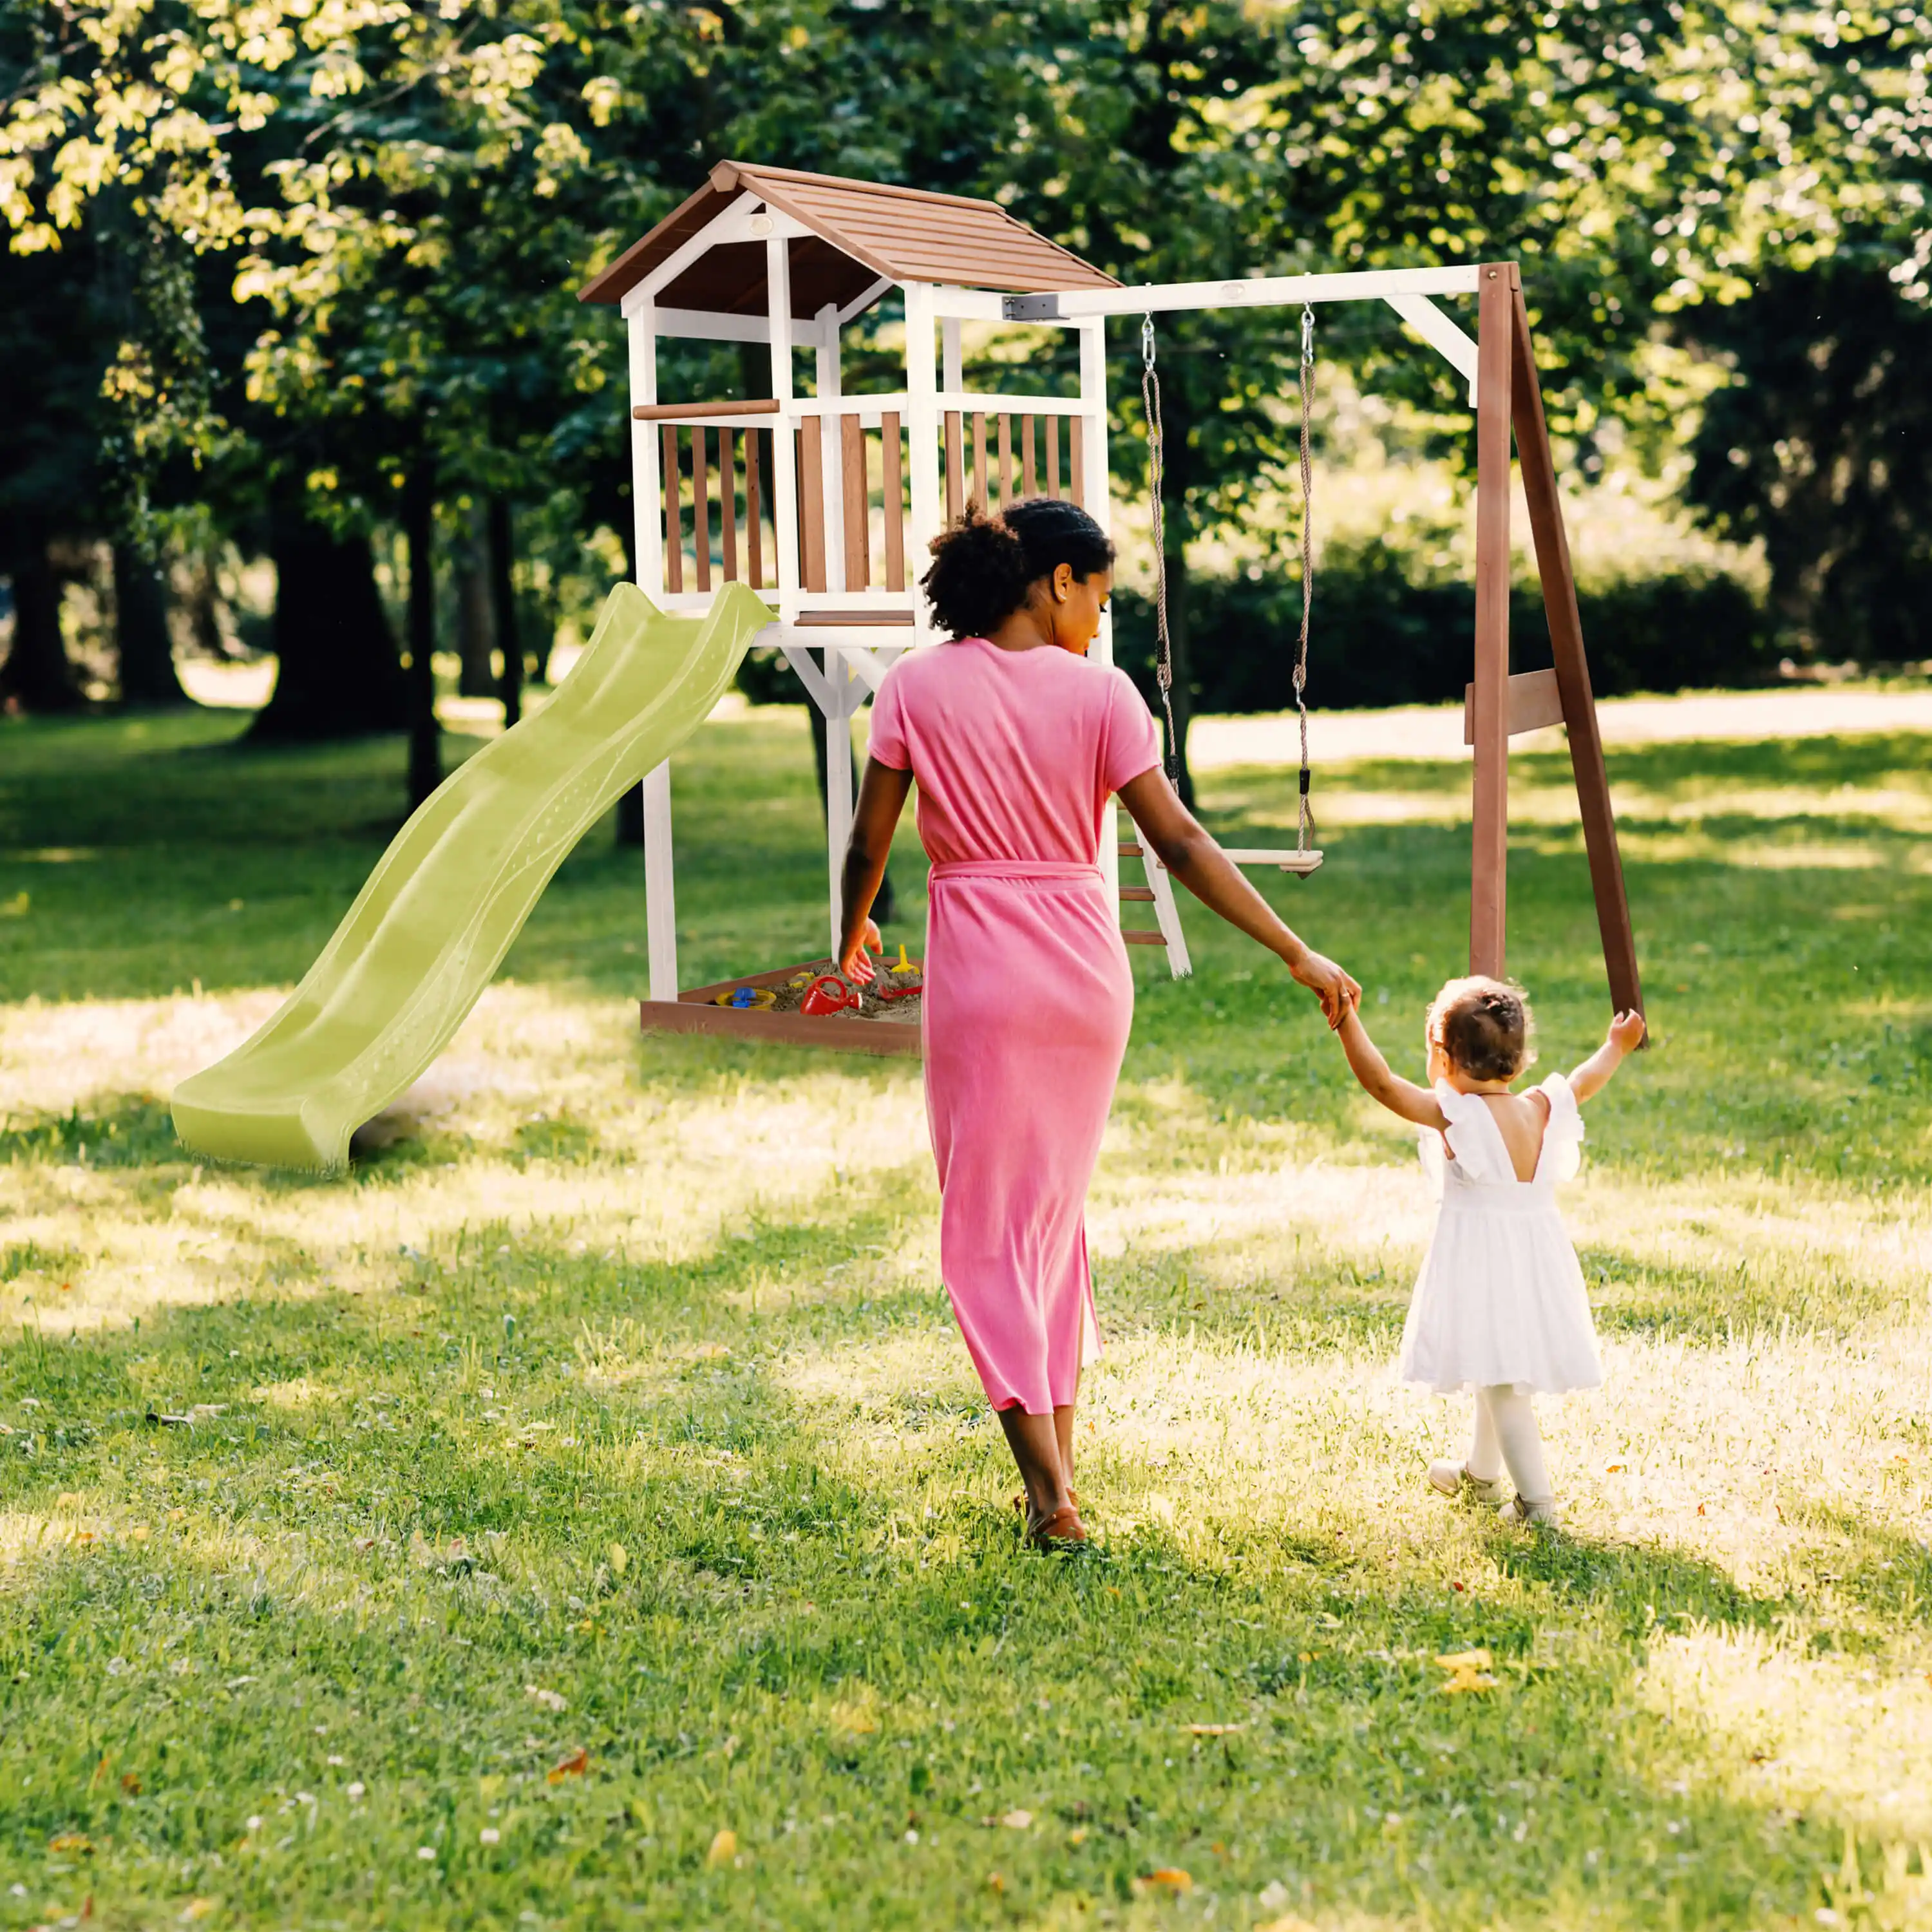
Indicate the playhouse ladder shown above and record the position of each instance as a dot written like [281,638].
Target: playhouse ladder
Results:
[1159,893]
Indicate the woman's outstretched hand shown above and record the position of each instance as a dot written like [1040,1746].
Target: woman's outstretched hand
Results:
[1337,990]
[855,965]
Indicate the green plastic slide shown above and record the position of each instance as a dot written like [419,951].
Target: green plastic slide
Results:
[432,924]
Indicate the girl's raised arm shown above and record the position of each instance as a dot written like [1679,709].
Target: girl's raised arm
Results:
[1400,1096]
[1626,1033]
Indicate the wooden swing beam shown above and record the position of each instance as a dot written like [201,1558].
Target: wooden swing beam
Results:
[1501,364]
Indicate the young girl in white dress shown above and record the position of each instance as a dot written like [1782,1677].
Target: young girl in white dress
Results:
[1500,1306]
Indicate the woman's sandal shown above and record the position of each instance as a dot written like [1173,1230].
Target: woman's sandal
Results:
[1062,1529]
[1020,1501]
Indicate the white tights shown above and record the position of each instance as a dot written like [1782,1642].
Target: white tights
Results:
[1507,1435]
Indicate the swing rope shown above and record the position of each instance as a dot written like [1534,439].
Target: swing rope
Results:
[1305,824]
[1163,662]
[1163,655]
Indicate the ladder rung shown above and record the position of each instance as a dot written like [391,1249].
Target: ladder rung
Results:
[1143,938]
[1144,893]
[1130,851]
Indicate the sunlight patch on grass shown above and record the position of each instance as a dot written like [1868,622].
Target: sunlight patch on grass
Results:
[1850,1736]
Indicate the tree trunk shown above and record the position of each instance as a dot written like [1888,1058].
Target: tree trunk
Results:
[38,675]
[502,549]
[338,674]
[419,533]
[141,631]
[475,629]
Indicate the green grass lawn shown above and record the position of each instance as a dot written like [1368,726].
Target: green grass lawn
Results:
[584,1514]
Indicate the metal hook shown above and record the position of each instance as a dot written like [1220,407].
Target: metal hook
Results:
[1147,341]
[1307,335]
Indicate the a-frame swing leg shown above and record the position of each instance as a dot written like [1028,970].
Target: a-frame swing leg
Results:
[1572,669]
[1489,858]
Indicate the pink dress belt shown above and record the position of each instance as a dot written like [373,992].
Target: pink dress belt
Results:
[1056,869]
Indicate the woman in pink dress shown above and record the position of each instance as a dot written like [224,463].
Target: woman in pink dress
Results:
[1017,742]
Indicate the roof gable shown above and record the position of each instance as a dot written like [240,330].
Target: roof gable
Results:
[861,232]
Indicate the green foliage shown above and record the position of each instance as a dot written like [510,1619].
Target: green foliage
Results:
[1388,630]
[1820,447]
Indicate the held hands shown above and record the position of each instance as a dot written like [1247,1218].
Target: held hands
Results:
[1626,1033]
[855,966]
[1337,991]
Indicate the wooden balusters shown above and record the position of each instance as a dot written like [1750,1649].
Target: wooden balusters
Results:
[858,517]
[981,494]
[754,545]
[700,508]
[674,546]
[811,504]
[891,486]
[727,499]
[1028,486]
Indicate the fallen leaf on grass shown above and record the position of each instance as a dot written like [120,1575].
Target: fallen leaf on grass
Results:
[1287,1922]
[71,1841]
[1215,1730]
[575,1766]
[551,1700]
[1168,1878]
[724,1849]
[196,1908]
[1018,1821]
[1079,1836]
[1469,1670]
[131,1784]
[994,1882]
[618,1559]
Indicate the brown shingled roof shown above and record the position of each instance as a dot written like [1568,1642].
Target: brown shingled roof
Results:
[861,232]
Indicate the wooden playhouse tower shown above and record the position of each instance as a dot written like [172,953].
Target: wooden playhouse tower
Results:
[824,502]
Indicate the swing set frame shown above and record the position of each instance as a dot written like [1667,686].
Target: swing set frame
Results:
[1498,706]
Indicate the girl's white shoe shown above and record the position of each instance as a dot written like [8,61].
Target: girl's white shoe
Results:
[1532,1516]
[1452,1479]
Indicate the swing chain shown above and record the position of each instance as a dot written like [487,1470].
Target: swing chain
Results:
[1163,661]
[1306,816]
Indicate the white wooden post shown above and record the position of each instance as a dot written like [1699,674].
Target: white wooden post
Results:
[832,448]
[1093,487]
[845,689]
[922,443]
[784,468]
[648,540]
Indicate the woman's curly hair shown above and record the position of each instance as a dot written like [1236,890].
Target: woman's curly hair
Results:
[1484,1026]
[984,568]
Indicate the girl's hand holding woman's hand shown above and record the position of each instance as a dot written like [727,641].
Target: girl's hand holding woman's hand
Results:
[1337,990]
[855,965]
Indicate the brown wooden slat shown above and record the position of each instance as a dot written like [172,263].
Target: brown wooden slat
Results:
[1029,487]
[727,497]
[700,508]
[858,514]
[872,619]
[1130,851]
[811,505]
[1489,866]
[1535,700]
[683,412]
[1005,458]
[982,494]
[955,466]
[754,537]
[1143,895]
[891,488]
[1144,938]
[1053,456]
[1572,668]
[674,548]
[1076,450]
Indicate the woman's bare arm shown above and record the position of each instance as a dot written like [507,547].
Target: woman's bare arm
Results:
[1400,1096]
[1186,849]
[882,797]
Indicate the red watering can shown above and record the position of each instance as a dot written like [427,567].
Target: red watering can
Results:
[827,995]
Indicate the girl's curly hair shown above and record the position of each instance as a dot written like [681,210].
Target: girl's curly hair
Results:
[1484,1026]
[984,568]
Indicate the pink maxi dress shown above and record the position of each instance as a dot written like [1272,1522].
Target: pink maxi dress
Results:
[1028,995]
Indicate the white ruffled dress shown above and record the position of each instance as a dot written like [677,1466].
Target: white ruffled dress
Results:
[1501,1296]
